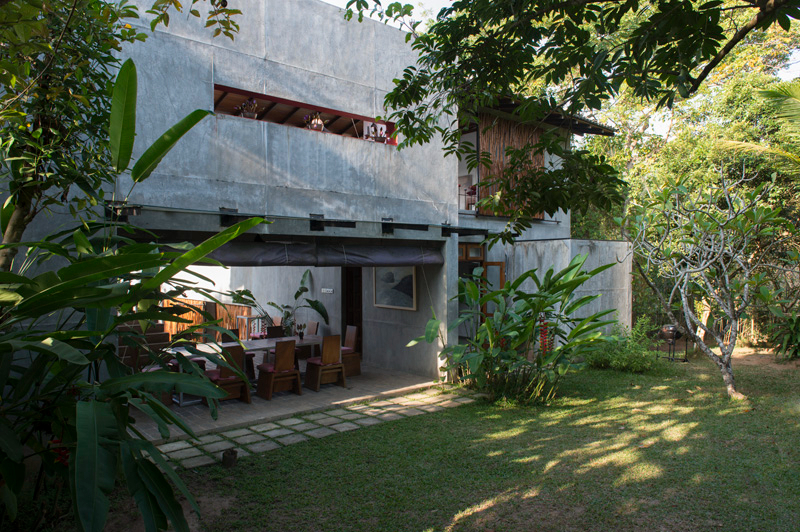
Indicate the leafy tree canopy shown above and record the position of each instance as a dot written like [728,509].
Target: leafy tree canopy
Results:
[568,56]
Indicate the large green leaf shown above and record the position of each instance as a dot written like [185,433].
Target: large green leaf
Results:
[152,515]
[122,125]
[95,462]
[50,346]
[153,155]
[162,492]
[162,381]
[9,443]
[319,307]
[200,251]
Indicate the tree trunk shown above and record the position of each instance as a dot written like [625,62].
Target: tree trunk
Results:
[15,228]
[727,378]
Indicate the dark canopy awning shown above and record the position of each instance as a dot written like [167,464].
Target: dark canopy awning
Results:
[317,254]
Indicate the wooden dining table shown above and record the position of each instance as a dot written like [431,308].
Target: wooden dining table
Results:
[264,346]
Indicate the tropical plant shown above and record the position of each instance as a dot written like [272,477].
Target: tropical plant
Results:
[289,311]
[58,59]
[519,344]
[66,396]
[785,334]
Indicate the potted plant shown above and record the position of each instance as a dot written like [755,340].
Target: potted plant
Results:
[300,328]
[377,134]
[314,121]
[289,311]
[248,109]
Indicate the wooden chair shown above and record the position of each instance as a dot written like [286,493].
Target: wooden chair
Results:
[227,379]
[350,358]
[312,327]
[229,335]
[280,376]
[328,367]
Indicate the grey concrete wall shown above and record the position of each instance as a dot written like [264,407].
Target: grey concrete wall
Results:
[388,331]
[614,284]
[301,50]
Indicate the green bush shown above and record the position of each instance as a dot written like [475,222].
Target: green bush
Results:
[626,350]
[785,334]
[520,344]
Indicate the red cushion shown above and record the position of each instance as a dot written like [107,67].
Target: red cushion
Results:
[257,336]
[317,361]
[268,367]
[213,374]
[347,350]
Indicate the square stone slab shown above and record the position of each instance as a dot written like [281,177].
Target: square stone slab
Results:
[321,432]
[337,412]
[263,446]
[289,422]
[314,417]
[410,412]
[264,427]
[389,416]
[249,438]
[342,427]
[208,438]
[368,421]
[449,404]
[292,438]
[352,416]
[218,446]
[431,408]
[197,461]
[305,426]
[278,432]
[185,453]
[327,421]
[465,400]
[175,446]
[236,433]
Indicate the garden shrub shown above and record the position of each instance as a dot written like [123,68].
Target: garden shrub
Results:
[521,344]
[626,350]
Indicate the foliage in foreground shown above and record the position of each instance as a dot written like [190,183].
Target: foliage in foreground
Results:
[520,344]
[66,396]
[626,350]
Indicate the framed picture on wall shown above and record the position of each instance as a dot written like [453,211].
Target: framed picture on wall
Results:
[395,287]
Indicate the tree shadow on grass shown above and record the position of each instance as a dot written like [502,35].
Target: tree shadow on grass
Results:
[615,452]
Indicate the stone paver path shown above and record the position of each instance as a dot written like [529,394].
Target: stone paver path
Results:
[263,437]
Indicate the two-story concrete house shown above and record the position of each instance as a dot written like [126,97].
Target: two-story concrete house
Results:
[295,140]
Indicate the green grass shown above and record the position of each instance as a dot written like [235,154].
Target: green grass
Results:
[663,451]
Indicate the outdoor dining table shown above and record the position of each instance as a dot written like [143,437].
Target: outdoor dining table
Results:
[264,346]
[256,346]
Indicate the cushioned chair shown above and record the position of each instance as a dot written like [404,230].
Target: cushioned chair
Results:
[350,358]
[312,327]
[280,376]
[328,367]
[227,379]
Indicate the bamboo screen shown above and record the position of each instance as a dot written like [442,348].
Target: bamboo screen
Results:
[501,134]
[227,313]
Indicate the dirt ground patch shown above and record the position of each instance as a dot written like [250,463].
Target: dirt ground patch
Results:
[761,356]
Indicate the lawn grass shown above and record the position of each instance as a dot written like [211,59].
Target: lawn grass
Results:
[661,451]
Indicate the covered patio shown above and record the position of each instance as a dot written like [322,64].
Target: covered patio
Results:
[373,383]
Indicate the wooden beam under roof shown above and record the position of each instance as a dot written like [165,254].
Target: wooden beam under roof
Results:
[266,110]
[290,115]
[219,100]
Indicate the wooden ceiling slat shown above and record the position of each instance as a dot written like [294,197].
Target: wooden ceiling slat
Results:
[290,115]
[219,100]
[266,110]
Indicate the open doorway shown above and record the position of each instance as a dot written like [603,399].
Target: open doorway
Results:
[352,291]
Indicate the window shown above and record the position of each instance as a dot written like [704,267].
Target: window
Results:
[237,102]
